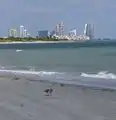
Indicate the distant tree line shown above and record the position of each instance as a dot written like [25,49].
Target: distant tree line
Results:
[30,39]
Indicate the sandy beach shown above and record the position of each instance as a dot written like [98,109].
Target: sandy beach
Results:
[33,42]
[24,100]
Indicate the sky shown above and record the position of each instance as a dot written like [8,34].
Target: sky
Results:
[45,14]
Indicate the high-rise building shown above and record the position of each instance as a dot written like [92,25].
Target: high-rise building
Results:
[59,30]
[25,33]
[89,31]
[85,29]
[22,31]
[12,33]
[92,31]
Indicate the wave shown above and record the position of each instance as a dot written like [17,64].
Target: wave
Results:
[18,50]
[31,71]
[101,74]
[84,79]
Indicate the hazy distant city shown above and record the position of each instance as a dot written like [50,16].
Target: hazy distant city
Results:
[58,32]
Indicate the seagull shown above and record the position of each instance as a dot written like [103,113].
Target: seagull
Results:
[48,91]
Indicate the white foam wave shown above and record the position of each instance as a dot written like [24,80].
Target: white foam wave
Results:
[64,78]
[101,74]
[7,67]
[19,50]
[19,72]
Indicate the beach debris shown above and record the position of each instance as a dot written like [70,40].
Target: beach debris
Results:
[16,78]
[48,91]
[61,85]
[22,105]
[29,115]
[106,89]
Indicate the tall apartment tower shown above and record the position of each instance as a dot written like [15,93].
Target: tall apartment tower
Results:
[25,33]
[12,32]
[22,31]
[59,30]
[92,31]
[89,30]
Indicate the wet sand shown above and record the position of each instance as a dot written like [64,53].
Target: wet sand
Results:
[24,100]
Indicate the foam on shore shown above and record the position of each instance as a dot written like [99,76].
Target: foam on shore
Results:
[17,42]
[63,78]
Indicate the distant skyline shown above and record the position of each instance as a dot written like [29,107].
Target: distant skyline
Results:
[42,14]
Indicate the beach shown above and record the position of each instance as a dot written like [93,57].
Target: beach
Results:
[23,99]
[33,42]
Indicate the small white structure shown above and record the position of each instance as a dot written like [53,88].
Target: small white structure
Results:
[73,32]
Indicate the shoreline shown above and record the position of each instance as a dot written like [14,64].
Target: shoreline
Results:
[60,41]
[17,42]
[18,75]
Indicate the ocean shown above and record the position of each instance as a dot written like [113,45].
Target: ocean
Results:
[91,65]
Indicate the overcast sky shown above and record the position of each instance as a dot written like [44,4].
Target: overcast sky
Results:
[45,14]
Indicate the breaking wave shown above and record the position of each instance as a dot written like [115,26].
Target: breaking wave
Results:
[102,79]
[19,50]
[102,74]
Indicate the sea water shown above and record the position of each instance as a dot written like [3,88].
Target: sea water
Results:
[93,66]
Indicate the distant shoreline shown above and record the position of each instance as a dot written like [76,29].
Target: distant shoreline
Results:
[34,42]
[60,41]
[54,44]
[17,42]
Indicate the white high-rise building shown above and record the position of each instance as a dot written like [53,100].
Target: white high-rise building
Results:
[85,29]
[59,29]
[12,33]
[92,31]
[89,31]
[22,31]
[25,33]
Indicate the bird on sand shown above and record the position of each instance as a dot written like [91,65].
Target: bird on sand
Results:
[48,91]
